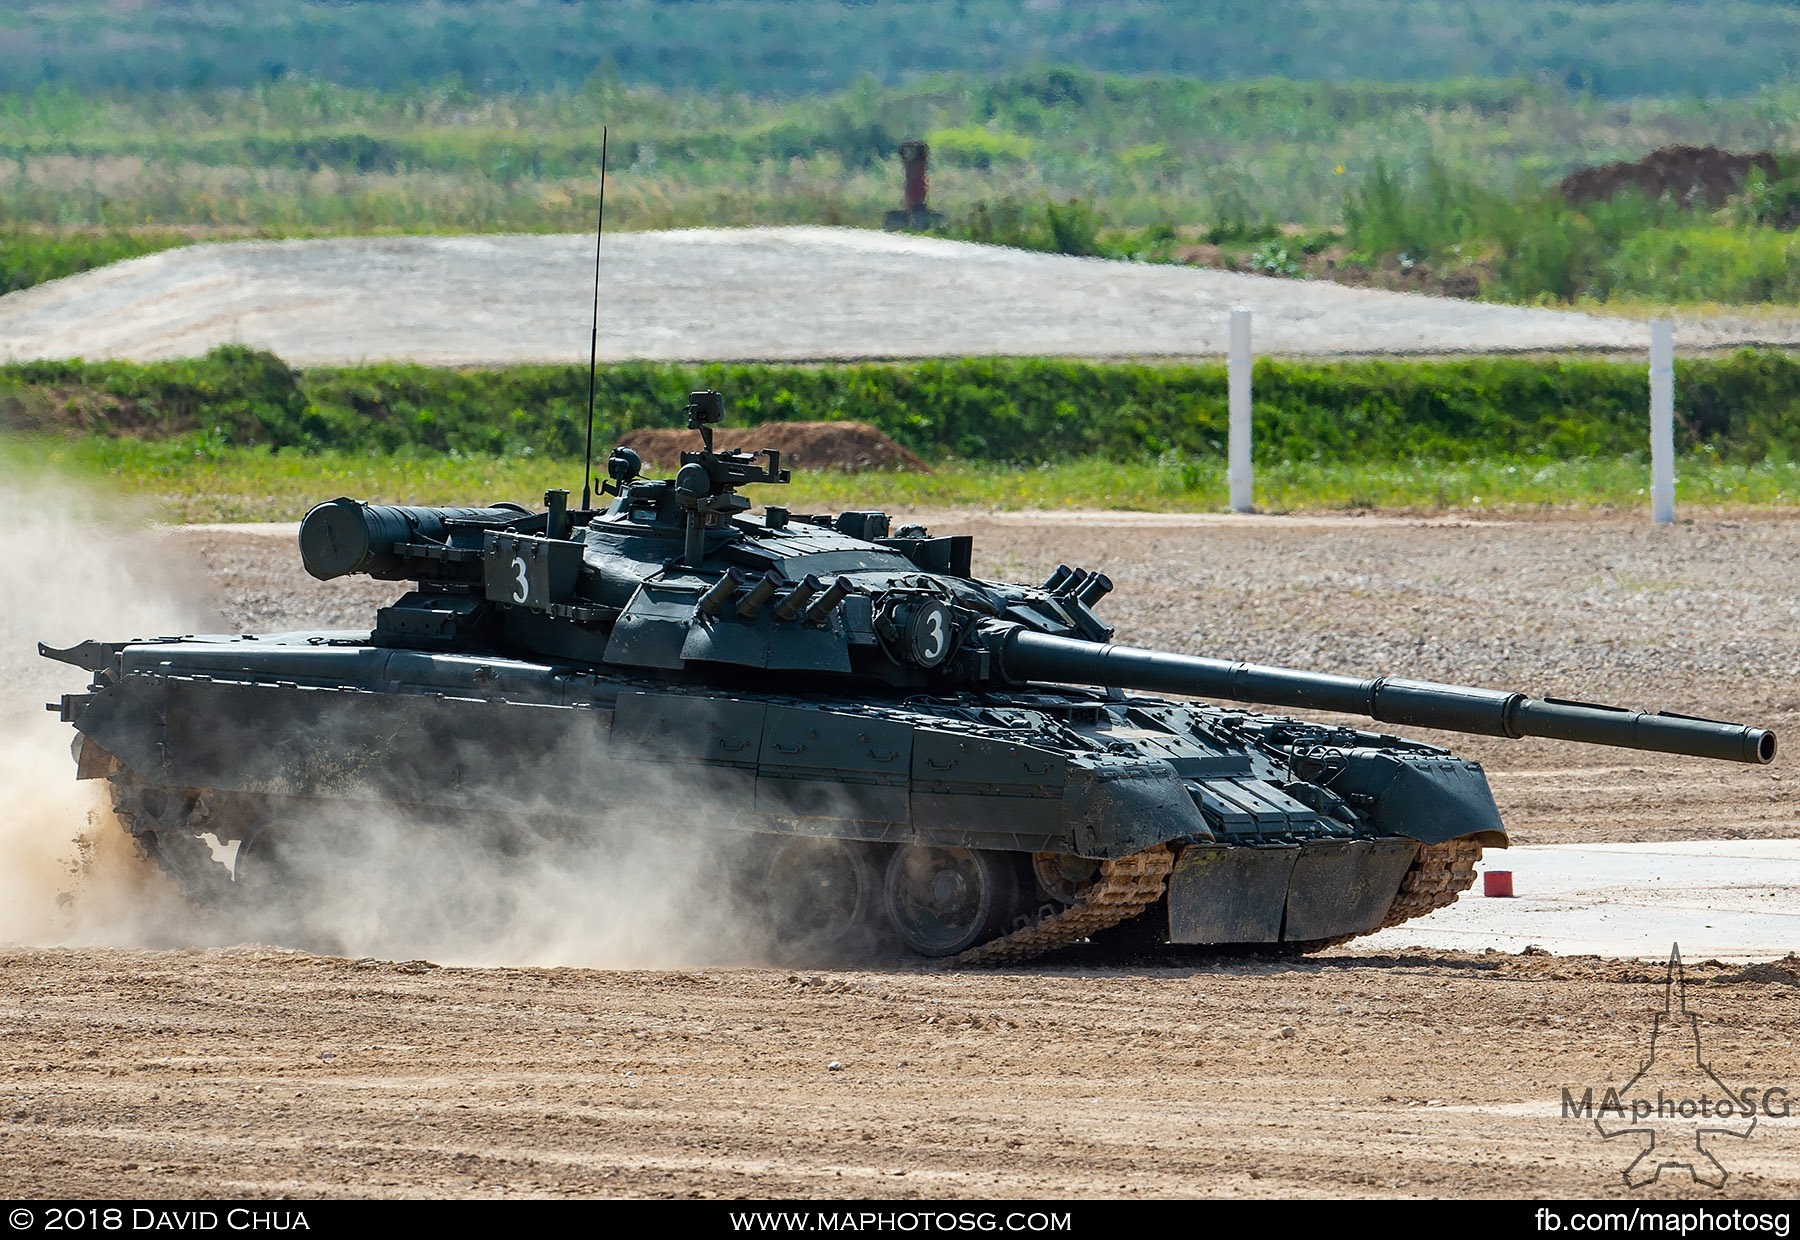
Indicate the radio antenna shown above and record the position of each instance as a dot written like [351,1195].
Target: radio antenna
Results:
[587,465]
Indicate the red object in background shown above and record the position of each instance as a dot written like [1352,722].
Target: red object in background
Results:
[913,158]
[1497,883]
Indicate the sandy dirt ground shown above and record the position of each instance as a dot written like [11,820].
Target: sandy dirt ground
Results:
[260,1073]
[798,294]
[136,1066]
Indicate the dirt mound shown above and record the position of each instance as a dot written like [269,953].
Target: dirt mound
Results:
[1783,972]
[850,446]
[1691,175]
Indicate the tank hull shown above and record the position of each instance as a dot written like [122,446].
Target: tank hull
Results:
[1249,851]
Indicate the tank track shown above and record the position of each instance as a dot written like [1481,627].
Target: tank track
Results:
[1129,885]
[1439,874]
[1126,887]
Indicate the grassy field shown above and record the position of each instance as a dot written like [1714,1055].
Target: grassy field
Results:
[239,435]
[187,480]
[1153,164]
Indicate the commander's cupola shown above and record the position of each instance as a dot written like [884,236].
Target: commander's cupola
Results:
[703,494]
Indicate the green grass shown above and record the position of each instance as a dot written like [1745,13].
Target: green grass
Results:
[1049,158]
[1532,246]
[1746,407]
[239,435]
[31,256]
[1745,264]
[190,479]
[1214,158]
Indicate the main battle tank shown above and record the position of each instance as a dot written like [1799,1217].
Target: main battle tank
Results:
[919,757]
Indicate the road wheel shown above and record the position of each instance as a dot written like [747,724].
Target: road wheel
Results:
[942,901]
[823,895]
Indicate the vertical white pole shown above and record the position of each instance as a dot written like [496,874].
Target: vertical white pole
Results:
[1238,470]
[1662,421]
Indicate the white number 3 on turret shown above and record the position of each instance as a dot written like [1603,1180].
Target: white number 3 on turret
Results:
[522,590]
[931,633]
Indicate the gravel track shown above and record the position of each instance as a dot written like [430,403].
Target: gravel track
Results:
[796,294]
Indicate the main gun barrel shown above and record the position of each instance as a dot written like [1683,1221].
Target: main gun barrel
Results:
[1027,656]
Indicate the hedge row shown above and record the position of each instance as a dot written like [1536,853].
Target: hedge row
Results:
[1746,406]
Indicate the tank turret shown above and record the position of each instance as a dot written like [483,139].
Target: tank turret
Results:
[906,606]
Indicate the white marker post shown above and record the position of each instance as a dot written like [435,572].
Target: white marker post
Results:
[1662,421]
[1238,471]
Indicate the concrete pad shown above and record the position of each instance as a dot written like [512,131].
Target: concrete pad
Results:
[1724,899]
[794,294]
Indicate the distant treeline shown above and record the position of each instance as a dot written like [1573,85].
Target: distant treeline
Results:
[1611,47]
[1744,407]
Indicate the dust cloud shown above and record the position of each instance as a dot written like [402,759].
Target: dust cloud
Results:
[356,879]
[640,888]
[76,565]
